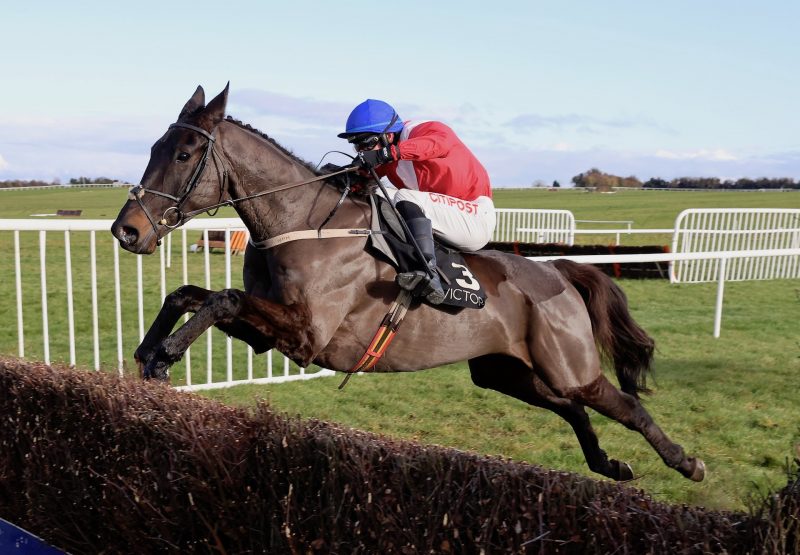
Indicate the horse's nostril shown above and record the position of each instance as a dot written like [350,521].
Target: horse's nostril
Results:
[129,235]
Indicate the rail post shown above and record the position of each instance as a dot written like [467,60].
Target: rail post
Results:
[720,291]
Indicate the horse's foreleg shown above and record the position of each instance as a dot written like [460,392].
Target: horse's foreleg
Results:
[511,377]
[259,322]
[187,298]
[603,397]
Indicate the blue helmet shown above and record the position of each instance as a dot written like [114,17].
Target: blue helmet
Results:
[372,116]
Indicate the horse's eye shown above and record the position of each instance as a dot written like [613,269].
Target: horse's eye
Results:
[183,156]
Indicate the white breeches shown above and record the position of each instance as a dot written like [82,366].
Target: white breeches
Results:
[464,224]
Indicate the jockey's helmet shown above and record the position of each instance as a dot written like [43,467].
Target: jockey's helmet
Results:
[372,116]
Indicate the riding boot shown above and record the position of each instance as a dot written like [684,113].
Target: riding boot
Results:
[422,283]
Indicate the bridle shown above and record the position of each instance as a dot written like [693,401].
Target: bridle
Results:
[137,191]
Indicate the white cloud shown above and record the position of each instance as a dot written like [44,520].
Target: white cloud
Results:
[562,147]
[256,102]
[582,123]
[717,154]
[48,148]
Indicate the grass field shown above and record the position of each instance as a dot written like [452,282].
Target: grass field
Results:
[732,401]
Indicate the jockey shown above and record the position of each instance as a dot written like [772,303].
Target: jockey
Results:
[443,189]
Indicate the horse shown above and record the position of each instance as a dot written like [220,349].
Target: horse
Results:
[541,337]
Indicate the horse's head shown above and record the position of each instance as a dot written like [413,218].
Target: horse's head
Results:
[185,174]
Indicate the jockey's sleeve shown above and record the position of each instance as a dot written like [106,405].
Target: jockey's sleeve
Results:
[428,140]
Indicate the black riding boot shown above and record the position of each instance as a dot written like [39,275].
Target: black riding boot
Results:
[420,282]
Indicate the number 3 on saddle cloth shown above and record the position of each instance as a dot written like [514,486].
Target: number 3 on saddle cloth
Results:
[461,287]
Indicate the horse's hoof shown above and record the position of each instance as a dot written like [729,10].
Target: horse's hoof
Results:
[155,370]
[141,362]
[698,470]
[622,471]
[142,370]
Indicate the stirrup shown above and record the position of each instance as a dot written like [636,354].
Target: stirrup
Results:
[421,285]
[433,292]
[410,280]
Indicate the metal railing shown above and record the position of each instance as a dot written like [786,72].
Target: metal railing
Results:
[534,226]
[735,229]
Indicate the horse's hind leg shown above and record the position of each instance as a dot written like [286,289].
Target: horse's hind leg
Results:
[511,377]
[606,399]
[562,346]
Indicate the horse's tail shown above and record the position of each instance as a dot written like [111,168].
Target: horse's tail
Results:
[620,339]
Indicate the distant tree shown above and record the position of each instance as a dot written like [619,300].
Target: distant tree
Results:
[82,180]
[556,183]
[655,183]
[22,183]
[712,183]
[604,181]
[581,180]
[630,181]
[538,184]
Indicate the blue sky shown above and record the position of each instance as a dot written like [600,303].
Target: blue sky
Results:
[538,90]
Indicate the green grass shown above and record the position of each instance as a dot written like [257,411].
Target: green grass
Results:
[98,203]
[732,401]
[648,209]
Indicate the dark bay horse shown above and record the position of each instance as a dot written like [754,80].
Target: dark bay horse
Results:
[321,300]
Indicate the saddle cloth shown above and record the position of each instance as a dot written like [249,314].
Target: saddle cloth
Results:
[461,288]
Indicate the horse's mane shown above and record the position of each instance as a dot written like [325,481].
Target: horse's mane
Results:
[338,182]
[273,142]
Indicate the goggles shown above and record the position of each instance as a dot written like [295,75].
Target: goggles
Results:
[365,142]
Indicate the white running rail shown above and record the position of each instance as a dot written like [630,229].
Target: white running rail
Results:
[735,230]
[534,226]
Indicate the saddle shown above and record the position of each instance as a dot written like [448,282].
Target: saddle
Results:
[389,242]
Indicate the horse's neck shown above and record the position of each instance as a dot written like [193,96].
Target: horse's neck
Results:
[258,166]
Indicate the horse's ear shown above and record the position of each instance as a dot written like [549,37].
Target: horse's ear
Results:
[194,104]
[215,110]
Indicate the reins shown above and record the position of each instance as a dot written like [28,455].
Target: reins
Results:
[235,201]
[137,191]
